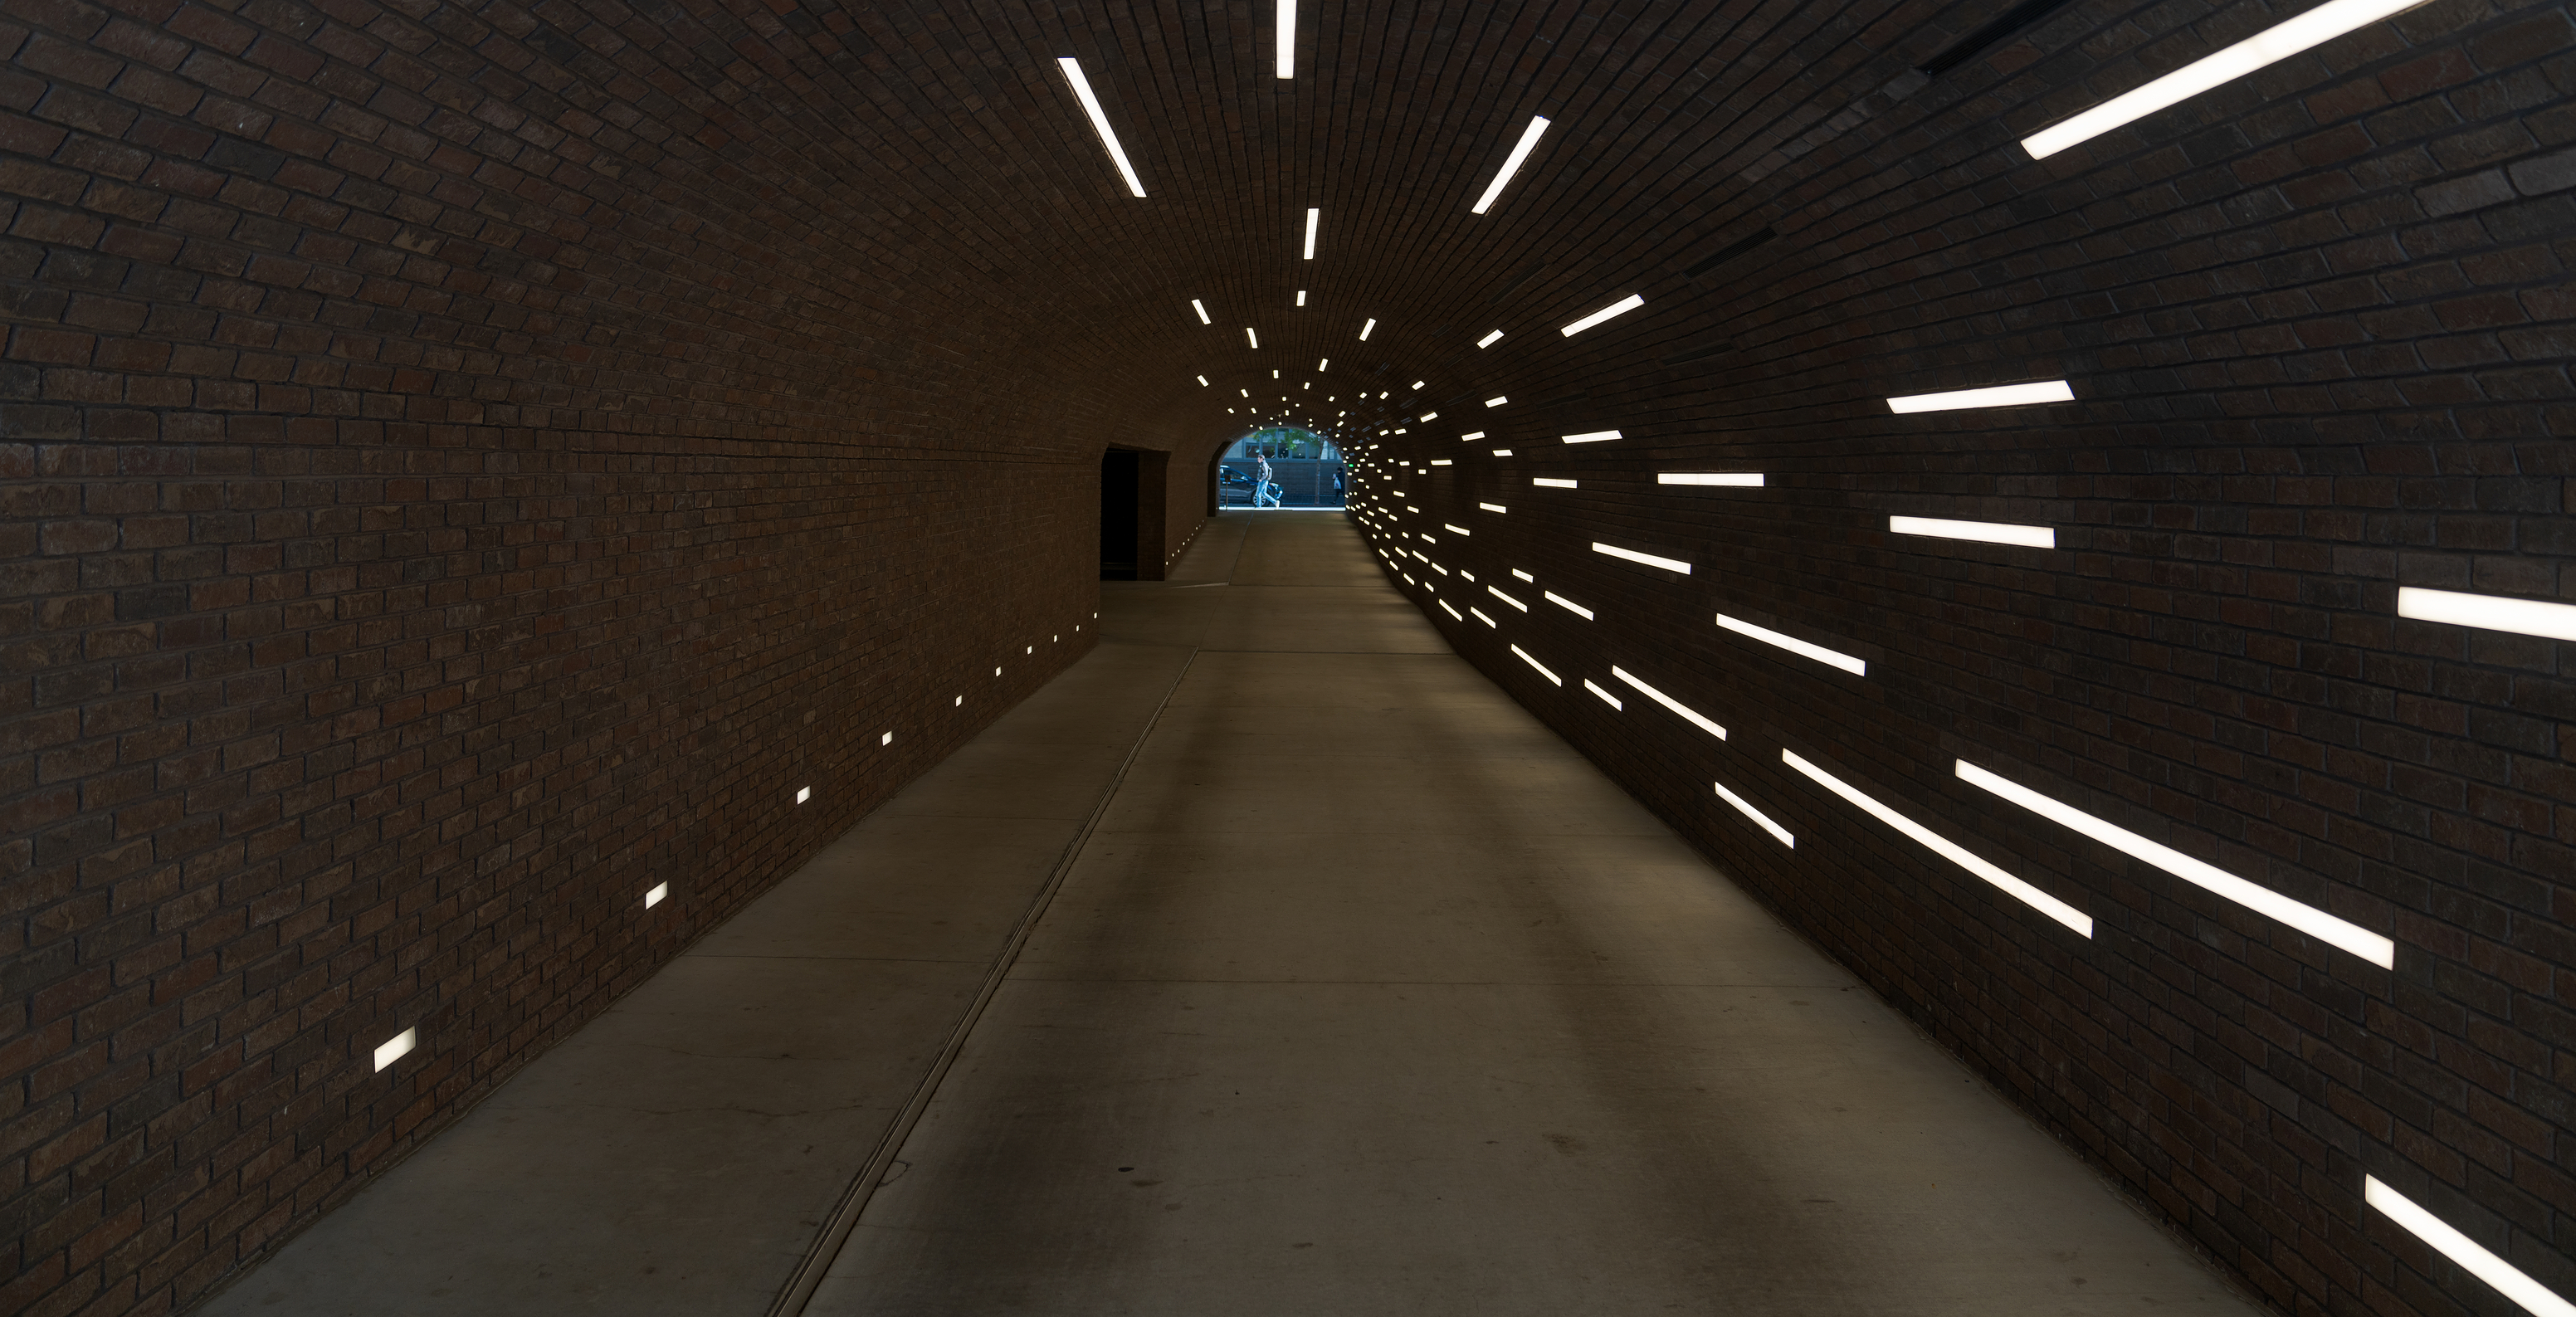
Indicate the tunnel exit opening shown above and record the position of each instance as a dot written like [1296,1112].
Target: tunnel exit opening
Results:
[1286,467]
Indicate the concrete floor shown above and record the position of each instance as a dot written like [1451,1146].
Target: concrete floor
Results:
[1362,994]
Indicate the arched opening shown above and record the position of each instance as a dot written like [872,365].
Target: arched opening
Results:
[1283,467]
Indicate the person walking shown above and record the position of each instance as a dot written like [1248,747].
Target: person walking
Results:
[1261,486]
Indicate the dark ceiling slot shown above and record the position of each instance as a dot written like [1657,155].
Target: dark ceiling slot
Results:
[1515,285]
[2004,25]
[1579,395]
[1701,353]
[1732,250]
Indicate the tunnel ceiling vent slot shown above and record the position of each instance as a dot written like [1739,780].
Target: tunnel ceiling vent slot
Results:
[2008,23]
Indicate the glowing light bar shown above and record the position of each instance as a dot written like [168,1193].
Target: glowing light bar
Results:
[1745,808]
[1428,416]
[1686,713]
[1502,452]
[1829,657]
[2321,24]
[1442,461]
[1511,166]
[1479,615]
[1490,339]
[1668,564]
[1253,338]
[397,1047]
[1245,392]
[1545,482]
[1100,122]
[1320,363]
[2001,395]
[2262,900]
[1364,330]
[1452,612]
[1595,437]
[1496,402]
[1522,575]
[888,738]
[804,794]
[1301,293]
[1619,308]
[1738,479]
[2530,617]
[1455,530]
[1567,604]
[1542,668]
[1417,384]
[1606,697]
[1203,381]
[1948,850]
[654,897]
[1201,308]
[1466,438]
[1984,532]
[1507,599]
[2535,1298]
[1493,507]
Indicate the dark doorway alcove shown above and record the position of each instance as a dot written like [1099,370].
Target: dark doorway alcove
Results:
[1118,515]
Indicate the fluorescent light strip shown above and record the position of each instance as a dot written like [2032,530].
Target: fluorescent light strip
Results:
[1606,697]
[1100,122]
[1253,338]
[1492,507]
[1203,381]
[1496,402]
[1455,530]
[1502,452]
[1512,165]
[1544,482]
[1428,416]
[1688,714]
[1313,215]
[1452,612]
[1322,362]
[1507,599]
[1490,339]
[2307,919]
[2321,24]
[1829,657]
[1943,847]
[1668,564]
[2535,1298]
[1746,808]
[1480,616]
[1464,438]
[1621,307]
[1737,479]
[1567,604]
[1597,436]
[1522,575]
[2487,612]
[396,1048]
[1201,308]
[653,897]
[1301,294]
[1542,668]
[804,794]
[1417,384]
[2001,395]
[1364,330]
[1442,461]
[1983,532]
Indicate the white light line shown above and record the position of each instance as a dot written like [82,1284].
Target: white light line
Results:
[2321,24]
[1442,461]
[1455,530]
[1364,329]
[1621,307]
[1251,337]
[1201,308]
[1490,339]
[1943,847]
[1428,416]
[1507,599]
[1493,507]
[2487,612]
[1502,452]
[1496,402]
[1465,438]
[1511,166]
[1984,532]
[1829,657]
[1322,362]
[1522,575]
[1687,714]
[1313,215]
[1542,668]
[1480,616]
[1744,807]
[396,1048]
[1595,437]
[2307,919]
[1301,297]
[2001,395]
[1737,479]
[1452,612]
[654,897]
[1668,564]
[1203,381]
[1544,482]
[1567,604]
[2535,1298]
[1606,697]
[1100,122]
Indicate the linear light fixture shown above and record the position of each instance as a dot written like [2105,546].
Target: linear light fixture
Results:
[2001,395]
[1201,308]
[1502,452]
[397,1047]
[1465,438]
[1490,339]
[1984,532]
[1320,363]
[1606,697]
[1668,564]
[1829,657]
[1542,668]
[1619,308]
[1417,384]
[2307,919]
[1100,122]
[1364,330]
[1687,714]
[1301,297]
[1493,507]
[1452,612]
[1314,216]
[1245,392]
[2487,612]
[1496,402]
[888,738]
[1745,808]
[653,896]
[1442,461]
[1203,381]
[1429,416]
[1507,599]
[1545,482]
[1479,615]
[2278,42]
[1511,166]
[1567,604]
[2508,1280]
[1251,337]
[1518,574]
[804,794]
[1735,479]
[1594,437]
[1455,530]
[1946,849]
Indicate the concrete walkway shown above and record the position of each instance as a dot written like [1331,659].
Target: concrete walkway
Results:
[1362,994]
